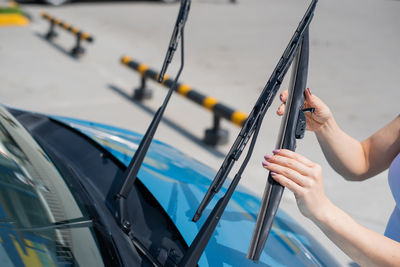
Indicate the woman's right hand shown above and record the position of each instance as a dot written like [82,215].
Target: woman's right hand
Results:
[314,120]
[301,176]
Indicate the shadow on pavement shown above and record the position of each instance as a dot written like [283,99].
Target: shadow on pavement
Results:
[169,123]
[56,46]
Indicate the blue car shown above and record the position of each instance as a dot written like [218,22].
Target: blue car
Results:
[56,209]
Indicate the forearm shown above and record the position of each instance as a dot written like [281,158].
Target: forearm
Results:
[345,154]
[364,246]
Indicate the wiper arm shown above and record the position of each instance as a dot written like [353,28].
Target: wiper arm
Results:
[131,172]
[81,222]
[66,224]
[250,130]
[176,34]
[292,128]
[200,242]
[259,109]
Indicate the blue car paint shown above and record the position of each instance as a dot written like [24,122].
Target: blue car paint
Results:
[179,182]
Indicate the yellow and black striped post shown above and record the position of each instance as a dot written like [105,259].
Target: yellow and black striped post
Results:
[220,110]
[80,35]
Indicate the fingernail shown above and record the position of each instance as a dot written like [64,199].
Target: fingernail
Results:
[273,173]
[267,156]
[276,151]
[281,97]
[308,89]
[265,163]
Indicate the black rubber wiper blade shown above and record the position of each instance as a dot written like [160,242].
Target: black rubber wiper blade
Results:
[249,130]
[176,34]
[263,103]
[132,170]
[292,128]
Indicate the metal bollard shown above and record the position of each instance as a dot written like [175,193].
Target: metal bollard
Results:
[51,33]
[215,135]
[142,92]
[77,50]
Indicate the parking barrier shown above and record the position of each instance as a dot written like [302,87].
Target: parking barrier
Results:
[214,135]
[80,35]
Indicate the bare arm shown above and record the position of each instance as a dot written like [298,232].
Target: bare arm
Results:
[364,246]
[304,179]
[357,160]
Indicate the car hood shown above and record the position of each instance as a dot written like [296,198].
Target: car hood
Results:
[179,182]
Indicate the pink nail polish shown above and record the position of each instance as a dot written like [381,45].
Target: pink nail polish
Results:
[265,163]
[273,173]
[267,156]
[276,151]
[308,89]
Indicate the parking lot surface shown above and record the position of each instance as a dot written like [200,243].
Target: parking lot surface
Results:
[230,52]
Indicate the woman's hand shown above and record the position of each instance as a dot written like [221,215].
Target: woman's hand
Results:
[301,176]
[314,120]
[304,179]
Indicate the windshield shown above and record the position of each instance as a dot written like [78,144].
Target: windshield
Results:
[33,196]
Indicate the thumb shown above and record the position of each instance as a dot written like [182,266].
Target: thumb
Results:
[308,96]
[312,100]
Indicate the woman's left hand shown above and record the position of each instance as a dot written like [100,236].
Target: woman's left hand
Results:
[301,176]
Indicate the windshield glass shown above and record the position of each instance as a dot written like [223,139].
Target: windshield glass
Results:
[34,195]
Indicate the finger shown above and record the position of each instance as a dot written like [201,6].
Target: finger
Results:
[290,163]
[308,97]
[293,155]
[289,184]
[287,172]
[284,96]
[312,100]
[281,110]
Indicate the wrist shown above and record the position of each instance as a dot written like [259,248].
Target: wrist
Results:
[325,213]
[327,128]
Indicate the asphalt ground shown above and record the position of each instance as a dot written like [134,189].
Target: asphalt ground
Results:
[230,52]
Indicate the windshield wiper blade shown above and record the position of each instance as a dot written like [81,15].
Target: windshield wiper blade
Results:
[292,128]
[250,130]
[262,104]
[176,34]
[132,170]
